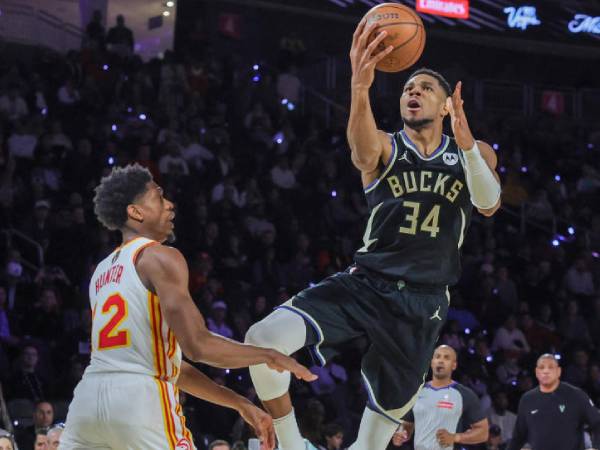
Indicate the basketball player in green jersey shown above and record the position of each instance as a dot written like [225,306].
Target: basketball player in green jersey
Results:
[420,186]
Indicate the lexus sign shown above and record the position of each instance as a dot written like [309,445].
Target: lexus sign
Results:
[457,9]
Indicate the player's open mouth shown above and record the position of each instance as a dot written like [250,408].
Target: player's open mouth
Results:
[413,105]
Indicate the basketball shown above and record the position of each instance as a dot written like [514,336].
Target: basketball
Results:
[406,34]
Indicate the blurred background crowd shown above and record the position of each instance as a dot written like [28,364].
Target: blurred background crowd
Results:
[268,202]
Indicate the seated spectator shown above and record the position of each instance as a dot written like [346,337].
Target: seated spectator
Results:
[196,155]
[216,321]
[500,416]
[68,94]
[173,164]
[43,416]
[53,436]
[577,372]
[539,207]
[572,326]
[508,372]
[510,339]
[545,318]
[57,137]
[6,336]
[219,444]
[538,337]
[333,437]
[22,142]
[41,440]
[282,175]
[578,280]
[289,85]
[6,441]
[26,381]
[13,105]
[453,337]
[506,290]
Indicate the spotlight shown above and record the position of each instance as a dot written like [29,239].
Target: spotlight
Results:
[256,78]
[571,231]
[166,13]
[113,127]
[555,243]
[170,4]
[105,67]
[502,169]
[334,193]
[255,67]
[496,147]
[142,116]
[467,331]
[524,169]
[557,178]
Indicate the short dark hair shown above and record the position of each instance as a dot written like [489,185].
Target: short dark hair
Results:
[117,190]
[213,444]
[438,76]
[331,429]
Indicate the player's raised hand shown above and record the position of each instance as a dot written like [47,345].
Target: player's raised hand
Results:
[460,126]
[261,422]
[363,56]
[281,363]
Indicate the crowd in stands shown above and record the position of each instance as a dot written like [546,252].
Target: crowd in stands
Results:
[268,202]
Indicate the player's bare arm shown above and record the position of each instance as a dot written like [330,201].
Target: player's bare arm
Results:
[368,144]
[195,383]
[164,270]
[476,434]
[467,143]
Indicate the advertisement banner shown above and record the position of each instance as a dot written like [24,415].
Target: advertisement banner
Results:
[457,9]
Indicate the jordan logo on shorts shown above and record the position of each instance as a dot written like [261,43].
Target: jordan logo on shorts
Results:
[436,315]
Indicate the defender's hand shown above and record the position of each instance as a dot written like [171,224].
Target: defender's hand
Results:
[361,54]
[281,362]
[261,422]
[460,126]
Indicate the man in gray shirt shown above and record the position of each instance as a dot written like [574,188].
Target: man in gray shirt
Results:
[444,406]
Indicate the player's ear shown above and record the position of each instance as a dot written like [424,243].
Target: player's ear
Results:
[446,107]
[134,213]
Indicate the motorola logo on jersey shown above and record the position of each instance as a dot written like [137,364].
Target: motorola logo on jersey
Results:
[425,181]
[450,158]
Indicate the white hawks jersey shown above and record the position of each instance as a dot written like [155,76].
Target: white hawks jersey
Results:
[129,333]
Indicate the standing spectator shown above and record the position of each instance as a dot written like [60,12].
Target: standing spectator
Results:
[43,416]
[503,418]
[119,39]
[94,32]
[551,416]
[442,405]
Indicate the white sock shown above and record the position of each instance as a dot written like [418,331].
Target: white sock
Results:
[375,432]
[288,433]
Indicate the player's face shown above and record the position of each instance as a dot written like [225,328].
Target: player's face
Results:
[443,362]
[547,372]
[157,212]
[423,102]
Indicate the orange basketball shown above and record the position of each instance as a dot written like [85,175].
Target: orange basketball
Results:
[406,34]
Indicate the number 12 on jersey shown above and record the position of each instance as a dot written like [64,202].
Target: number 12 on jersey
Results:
[110,335]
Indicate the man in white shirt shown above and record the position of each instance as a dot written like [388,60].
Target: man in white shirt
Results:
[501,416]
[509,337]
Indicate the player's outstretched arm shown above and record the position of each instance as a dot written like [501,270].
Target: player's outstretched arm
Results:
[165,271]
[367,143]
[194,382]
[479,158]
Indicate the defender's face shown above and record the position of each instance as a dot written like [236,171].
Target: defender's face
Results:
[422,99]
[547,372]
[443,362]
[157,212]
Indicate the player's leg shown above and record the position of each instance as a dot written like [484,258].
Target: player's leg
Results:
[395,366]
[285,332]
[317,318]
[83,428]
[144,413]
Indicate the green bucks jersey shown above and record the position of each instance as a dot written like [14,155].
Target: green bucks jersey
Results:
[420,210]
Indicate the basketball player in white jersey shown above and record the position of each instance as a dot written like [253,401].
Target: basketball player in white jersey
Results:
[143,318]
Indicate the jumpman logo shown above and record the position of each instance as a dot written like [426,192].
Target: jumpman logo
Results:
[436,315]
[405,157]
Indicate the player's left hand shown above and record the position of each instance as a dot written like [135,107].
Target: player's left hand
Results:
[261,422]
[458,119]
[445,438]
